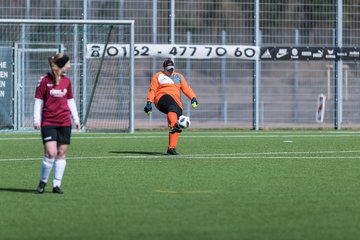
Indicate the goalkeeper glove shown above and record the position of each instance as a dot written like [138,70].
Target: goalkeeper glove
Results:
[194,103]
[148,108]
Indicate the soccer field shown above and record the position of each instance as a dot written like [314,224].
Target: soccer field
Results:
[224,185]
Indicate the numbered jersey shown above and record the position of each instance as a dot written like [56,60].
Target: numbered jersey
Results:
[55,111]
[172,85]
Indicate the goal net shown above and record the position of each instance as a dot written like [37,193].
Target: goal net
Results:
[102,81]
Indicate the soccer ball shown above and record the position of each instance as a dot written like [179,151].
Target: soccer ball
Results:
[184,121]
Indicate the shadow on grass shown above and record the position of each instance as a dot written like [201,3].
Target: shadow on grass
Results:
[19,190]
[139,152]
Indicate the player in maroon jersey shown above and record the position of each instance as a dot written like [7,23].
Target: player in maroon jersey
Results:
[53,107]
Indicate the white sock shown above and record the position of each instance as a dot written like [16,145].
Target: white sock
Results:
[46,167]
[59,171]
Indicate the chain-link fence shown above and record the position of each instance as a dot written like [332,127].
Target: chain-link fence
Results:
[227,88]
[104,102]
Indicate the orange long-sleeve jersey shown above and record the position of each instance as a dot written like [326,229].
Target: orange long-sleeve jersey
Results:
[161,84]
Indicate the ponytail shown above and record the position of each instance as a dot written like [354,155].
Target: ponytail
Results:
[57,62]
[55,70]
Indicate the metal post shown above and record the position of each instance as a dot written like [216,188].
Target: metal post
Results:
[154,22]
[83,76]
[257,66]
[339,69]
[121,34]
[223,81]
[16,86]
[121,16]
[75,60]
[188,72]
[27,15]
[57,16]
[296,81]
[172,22]
[154,41]
[20,95]
[132,78]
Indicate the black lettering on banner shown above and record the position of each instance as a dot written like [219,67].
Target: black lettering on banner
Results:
[193,52]
[237,52]
[173,51]
[249,52]
[124,49]
[146,52]
[209,52]
[112,51]
[136,51]
[220,51]
[183,50]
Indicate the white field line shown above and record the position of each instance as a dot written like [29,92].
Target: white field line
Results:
[190,136]
[207,132]
[265,155]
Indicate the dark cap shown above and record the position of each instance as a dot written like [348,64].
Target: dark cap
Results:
[60,62]
[168,64]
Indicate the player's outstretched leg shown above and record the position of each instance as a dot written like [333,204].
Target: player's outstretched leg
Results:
[172,120]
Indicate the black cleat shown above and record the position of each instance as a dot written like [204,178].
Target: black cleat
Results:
[41,187]
[171,151]
[57,190]
[175,129]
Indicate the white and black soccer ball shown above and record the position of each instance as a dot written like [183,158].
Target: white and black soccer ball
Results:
[184,121]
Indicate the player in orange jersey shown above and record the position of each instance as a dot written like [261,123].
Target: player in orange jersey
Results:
[164,92]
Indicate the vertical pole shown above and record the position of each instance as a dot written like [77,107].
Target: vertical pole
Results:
[332,77]
[75,60]
[154,22]
[223,81]
[121,77]
[57,16]
[188,72]
[154,25]
[339,70]
[83,76]
[172,22]
[15,88]
[24,27]
[132,77]
[154,40]
[19,85]
[121,16]
[24,67]
[257,66]
[27,15]
[346,81]
[296,81]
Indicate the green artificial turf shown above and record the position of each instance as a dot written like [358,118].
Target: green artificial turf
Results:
[224,185]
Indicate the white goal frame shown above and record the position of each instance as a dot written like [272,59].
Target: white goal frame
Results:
[131,23]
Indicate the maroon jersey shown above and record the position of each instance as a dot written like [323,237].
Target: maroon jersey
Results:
[55,111]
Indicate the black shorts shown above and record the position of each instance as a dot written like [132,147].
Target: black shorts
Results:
[56,133]
[167,104]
